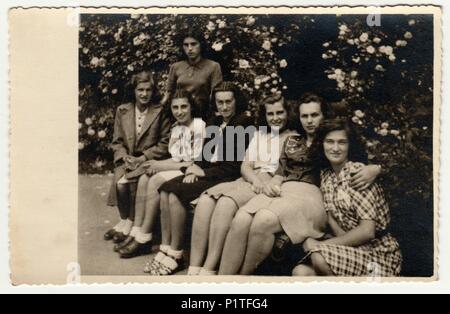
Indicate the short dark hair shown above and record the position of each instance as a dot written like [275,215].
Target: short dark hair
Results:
[136,79]
[357,152]
[270,100]
[305,99]
[180,94]
[226,86]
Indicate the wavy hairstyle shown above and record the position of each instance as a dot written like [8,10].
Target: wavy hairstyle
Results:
[136,79]
[305,99]
[270,100]
[357,152]
[226,86]
[180,94]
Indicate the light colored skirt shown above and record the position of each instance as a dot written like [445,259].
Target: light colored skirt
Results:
[300,210]
[240,191]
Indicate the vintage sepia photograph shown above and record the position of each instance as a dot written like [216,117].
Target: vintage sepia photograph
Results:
[257,144]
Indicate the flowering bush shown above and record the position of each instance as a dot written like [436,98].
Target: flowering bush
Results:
[364,62]
[112,48]
[386,78]
[383,74]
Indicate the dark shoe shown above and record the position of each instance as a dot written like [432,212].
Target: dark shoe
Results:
[109,235]
[282,241]
[123,244]
[119,237]
[135,249]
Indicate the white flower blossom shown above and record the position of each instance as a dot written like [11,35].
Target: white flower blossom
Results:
[326,45]
[85,50]
[343,28]
[395,132]
[385,125]
[371,49]
[244,64]
[137,41]
[351,42]
[222,24]
[377,40]
[80,146]
[412,22]
[389,50]
[91,132]
[283,63]
[360,114]
[383,132]
[95,61]
[392,58]
[250,21]
[88,121]
[101,134]
[408,35]
[379,68]
[211,26]
[364,37]
[217,46]
[267,45]
[135,16]
[354,74]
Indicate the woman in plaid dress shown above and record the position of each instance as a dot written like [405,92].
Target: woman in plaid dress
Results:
[361,246]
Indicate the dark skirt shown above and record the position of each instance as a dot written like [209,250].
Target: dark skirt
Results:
[188,192]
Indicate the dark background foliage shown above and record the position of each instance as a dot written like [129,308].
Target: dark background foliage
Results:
[382,76]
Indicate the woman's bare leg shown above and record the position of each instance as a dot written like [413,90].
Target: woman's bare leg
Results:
[320,265]
[152,203]
[221,220]
[200,230]
[141,194]
[260,241]
[235,244]
[303,271]
[166,230]
[177,221]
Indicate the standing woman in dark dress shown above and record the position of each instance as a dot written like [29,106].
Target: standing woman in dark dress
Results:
[196,74]
[177,194]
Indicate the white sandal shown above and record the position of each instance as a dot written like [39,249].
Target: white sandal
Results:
[155,263]
[168,266]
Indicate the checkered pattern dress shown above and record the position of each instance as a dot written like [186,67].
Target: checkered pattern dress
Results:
[380,257]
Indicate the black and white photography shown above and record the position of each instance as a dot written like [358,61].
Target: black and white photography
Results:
[256,145]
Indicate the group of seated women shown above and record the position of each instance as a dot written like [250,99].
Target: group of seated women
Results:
[186,153]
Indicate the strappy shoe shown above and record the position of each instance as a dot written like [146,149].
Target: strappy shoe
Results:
[155,263]
[169,266]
